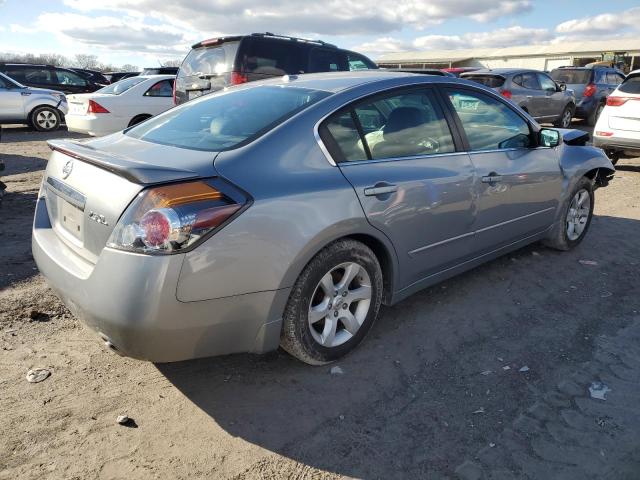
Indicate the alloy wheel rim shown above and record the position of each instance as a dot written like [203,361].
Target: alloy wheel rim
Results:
[339,304]
[46,119]
[566,119]
[578,214]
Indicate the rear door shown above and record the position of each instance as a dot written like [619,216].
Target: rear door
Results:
[530,94]
[517,184]
[398,153]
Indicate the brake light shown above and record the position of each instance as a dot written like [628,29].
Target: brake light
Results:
[209,41]
[619,101]
[604,134]
[175,217]
[238,78]
[95,107]
[506,94]
[173,93]
[589,90]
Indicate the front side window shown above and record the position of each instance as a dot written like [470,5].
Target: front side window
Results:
[395,126]
[70,78]
[488,123]
[546,83]
[163,88]
[226,120]
[527,80]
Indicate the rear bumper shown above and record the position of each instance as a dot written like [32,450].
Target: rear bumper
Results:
[130,300]
[95,125]
[617,142]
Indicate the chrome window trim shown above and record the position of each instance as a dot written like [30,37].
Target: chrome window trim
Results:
[396,159]
[68,193]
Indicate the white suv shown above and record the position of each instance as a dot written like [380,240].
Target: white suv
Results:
[617,131]
[41,108]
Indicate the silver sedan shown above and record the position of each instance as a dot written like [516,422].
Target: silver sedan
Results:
[286,212]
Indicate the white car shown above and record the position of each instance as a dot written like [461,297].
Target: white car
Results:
[617,131]
[120,105]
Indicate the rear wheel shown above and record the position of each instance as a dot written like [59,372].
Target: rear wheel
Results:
[575,218]
[45,119]
[565,119]
[333,303]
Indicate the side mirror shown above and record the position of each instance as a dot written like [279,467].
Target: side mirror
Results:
[562,86]
[548,138]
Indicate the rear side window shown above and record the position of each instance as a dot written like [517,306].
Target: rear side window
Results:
[226,120]
[571,76]
[121,86]
[327,60]
[163,88]
[394,126]
[209,60]
[491,81]
[272,57]
[631,84]
[488,123]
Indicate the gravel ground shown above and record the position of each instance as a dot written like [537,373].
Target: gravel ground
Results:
[484,376]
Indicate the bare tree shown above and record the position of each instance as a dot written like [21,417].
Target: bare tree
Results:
[175,62]
[45,58]
[85,60]
[127,67]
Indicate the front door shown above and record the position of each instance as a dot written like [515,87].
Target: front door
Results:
[517,184]
[11,100]
[398,153]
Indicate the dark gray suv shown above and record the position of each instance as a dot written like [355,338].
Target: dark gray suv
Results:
[533,91]
[220,62]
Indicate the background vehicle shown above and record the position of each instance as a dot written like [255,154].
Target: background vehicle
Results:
[286,211]
[591,87]
[618,128]
[160,71]
[535,92]
[457,71]
[426,71]
[93,75]
[218,62]
[113,77]
[120,105]
[47,76]
[42,109]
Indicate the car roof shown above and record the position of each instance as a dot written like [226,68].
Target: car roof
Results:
[220,40]
[500,71]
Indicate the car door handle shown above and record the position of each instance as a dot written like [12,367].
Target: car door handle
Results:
[380,189]
[492,178]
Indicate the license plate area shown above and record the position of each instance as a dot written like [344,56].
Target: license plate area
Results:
[66,208]
[70,219]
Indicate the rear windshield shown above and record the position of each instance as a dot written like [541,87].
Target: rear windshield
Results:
[631,84]
[569,76]
[491,81]
[209,60]
[121,86]
[228,119]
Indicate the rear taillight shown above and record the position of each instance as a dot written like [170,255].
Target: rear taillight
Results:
[604,134]
[95,107]
[619,101]
[506,94]
[589,90]
[173,93]
[175,217]
[238,78]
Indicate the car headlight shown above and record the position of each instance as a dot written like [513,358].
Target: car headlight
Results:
[176,217]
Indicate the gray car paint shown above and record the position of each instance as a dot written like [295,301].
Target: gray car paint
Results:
[228,294]
[17,103]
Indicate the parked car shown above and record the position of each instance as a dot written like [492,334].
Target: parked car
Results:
[618,128]
[113,77]
[38,107]
[457,71]
[533,91]
[120,105]
[426,71]
[93,75]
[591,87]
[219,62]
[160,71]
[49,77]
[284,212]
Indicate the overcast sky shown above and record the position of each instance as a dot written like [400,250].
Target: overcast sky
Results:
[144,32]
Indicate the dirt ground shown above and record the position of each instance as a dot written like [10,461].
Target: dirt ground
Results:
[484,376]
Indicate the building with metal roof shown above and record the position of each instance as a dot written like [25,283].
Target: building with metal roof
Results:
[622,51]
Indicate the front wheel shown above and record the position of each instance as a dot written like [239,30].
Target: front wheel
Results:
[575,218]
[333,304]
[45,119]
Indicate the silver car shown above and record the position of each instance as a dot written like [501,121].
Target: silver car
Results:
[42,109]
[285,212]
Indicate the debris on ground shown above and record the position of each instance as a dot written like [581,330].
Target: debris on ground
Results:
[486,372]
[122,419]
[588,262]
[480,410]
[598,390]
[506,367]
[524,369]
[36,375]
[535,254]
[336,370]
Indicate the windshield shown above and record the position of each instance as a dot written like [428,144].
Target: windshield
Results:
[121,86]
[209,60]
[572,77]
[631,84]
[491,81]
[226,120]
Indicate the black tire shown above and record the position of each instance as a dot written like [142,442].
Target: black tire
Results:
[613,155]
[45,119]
[296,336]
[559,237]
[567,114]
[593,118]
[137,119]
